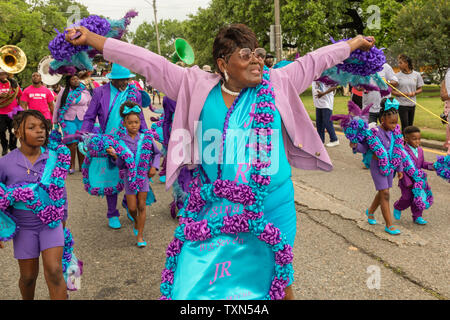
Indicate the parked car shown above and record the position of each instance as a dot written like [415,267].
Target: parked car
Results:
[426,78]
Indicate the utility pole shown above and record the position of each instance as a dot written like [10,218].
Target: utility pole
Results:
[277,31]
[156,25]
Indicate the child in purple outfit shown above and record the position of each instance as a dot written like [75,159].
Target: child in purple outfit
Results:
[25,165]
[136,196]
[388,120]
[412,147]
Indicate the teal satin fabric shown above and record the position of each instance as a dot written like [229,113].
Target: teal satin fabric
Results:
[45,179]
[220,268]
[7,226]
[102,173]
[236,164]
[117,98]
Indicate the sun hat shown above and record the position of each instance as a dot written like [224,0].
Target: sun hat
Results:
[119,72]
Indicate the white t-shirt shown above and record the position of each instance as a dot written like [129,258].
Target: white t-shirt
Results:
[327,101]
[374,97]
[447,81]
[408,83]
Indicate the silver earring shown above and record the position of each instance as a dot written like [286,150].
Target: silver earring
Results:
[226,76]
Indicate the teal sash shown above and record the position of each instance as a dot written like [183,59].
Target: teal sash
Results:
[224,267]
[220,268]
[7,225]
[45,179]
[367,157]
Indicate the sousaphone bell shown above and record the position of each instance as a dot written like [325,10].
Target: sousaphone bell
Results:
[43,69]
[12,59]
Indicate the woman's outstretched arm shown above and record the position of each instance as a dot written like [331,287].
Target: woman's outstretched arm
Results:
[309,67]
[158,71]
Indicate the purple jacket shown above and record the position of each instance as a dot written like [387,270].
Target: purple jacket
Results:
[420,163]
[190,87]
[99,107]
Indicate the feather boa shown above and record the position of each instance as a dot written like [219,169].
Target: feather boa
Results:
[50,214]
[442,166]
[70,58]
[359,70]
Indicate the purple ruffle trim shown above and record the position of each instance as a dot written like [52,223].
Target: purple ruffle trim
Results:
[277,289]
[270,235]
[235,224]
[174,248]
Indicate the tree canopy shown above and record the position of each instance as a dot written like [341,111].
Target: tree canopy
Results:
[31,25]
[419,28]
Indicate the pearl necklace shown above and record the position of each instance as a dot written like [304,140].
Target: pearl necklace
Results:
[231,93]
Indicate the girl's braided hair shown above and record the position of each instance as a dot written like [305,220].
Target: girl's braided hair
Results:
[383,112]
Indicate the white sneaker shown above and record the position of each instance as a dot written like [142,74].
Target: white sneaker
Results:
[332,144]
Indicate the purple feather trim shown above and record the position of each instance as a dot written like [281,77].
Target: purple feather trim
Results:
[130,15]
[63,70]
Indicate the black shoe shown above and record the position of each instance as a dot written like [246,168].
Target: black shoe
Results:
[4,152]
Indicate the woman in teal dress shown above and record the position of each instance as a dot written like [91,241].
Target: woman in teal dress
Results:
[238,224]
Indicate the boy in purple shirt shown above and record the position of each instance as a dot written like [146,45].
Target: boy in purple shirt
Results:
[412,146]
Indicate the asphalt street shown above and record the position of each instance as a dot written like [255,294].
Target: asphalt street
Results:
[337,254]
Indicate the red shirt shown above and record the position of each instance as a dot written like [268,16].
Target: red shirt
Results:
[38,99]
[358,93]
[4,87]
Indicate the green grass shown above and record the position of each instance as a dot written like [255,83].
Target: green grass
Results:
[431,127]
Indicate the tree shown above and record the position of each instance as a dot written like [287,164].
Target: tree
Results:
[306,24]
[31,26]
[168,29]
[423,33]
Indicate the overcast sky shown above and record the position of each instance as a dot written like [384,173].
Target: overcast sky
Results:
[166,9]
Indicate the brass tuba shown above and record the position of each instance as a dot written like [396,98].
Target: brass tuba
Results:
[12,59]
